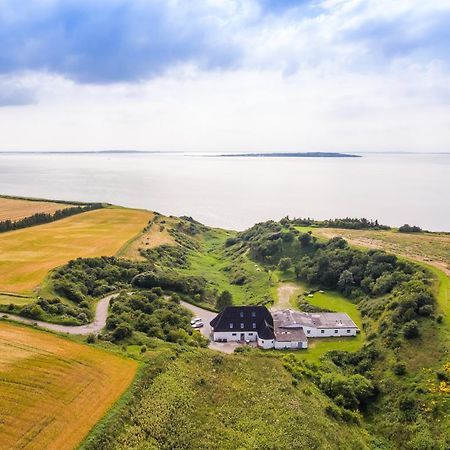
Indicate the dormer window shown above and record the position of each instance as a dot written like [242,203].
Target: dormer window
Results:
[241,313]
[254,325]
[231,326]
[253,314]
[242,326]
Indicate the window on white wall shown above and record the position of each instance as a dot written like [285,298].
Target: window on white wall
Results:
[348,331]
[322,331]
[336,331]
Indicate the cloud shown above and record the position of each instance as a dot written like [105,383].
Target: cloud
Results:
[105,41]
[113,40]
[15,93]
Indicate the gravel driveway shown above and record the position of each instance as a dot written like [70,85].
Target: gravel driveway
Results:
[207,316]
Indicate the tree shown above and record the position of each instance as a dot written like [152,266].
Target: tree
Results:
[346,279]
[305,239]
[225,299]
[285,264]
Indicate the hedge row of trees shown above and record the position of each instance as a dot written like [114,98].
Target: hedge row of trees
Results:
[351,223]
[41,218]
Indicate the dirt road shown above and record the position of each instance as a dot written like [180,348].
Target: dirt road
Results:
[101,313]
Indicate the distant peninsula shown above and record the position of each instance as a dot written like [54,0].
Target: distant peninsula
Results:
[293,155]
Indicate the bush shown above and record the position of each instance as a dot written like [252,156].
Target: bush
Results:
[91,338]
[399,369]
[285,264]
[411,330]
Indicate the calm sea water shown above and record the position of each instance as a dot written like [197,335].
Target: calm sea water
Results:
[238,192]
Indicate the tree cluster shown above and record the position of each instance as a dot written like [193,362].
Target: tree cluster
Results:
[152,313]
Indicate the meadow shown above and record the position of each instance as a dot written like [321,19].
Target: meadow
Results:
[431,248]
[203,400]
[14,209]
[27,255]
[222,270]
[53,390]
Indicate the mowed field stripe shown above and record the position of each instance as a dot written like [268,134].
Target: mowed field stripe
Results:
[27,255]
[55,390]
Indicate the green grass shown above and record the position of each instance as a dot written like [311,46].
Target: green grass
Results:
[202,400]
[442,291]
[213,263]
[6,299]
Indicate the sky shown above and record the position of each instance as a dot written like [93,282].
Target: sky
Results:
[225,75]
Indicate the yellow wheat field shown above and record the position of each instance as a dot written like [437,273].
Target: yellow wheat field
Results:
[15,209]
[27,255]
[52,390]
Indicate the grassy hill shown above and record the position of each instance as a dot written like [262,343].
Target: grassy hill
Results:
[203,400]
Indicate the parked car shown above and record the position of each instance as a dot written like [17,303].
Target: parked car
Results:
[197,325]
[195,320]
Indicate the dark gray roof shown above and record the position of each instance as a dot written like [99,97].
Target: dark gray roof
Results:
[245,318]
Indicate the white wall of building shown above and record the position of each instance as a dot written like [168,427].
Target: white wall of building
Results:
[290,345]
[265,343]
[329,332]
[235,335]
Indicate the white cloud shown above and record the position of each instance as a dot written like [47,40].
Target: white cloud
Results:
[347,75]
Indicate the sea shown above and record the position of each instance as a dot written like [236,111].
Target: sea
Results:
[237,192]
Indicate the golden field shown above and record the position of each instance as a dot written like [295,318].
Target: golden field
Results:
[15,209]
[27,255]
[52,390]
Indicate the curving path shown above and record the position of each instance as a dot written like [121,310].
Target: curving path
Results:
[101,313]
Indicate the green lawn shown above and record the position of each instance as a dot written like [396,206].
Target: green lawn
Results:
[14,299]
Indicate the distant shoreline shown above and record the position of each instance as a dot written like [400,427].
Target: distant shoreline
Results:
[292,155]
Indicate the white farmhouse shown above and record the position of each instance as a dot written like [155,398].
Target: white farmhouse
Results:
[285,329]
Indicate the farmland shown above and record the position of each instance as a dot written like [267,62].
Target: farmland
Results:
[27,255]
[14,209]
[53,390]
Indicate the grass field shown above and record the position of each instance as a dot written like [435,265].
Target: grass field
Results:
[15,209]
[203,400]
[431,248]
[27,255]
[217,267]
[52,390]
